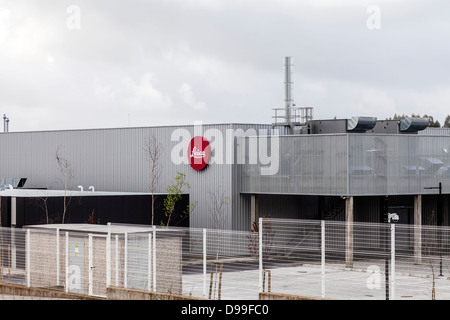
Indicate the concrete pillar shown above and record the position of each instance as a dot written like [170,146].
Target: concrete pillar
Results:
[349,232]
[254,215]
[13,212]
[418,229]
[321,207]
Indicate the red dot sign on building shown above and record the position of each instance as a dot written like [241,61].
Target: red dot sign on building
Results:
[199,153]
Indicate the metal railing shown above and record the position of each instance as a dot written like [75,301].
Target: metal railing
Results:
[294,115]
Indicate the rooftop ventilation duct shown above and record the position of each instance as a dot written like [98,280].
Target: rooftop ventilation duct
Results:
[361,123]
[414,124]
[14,182]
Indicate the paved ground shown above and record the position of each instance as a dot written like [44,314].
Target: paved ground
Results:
[365,282]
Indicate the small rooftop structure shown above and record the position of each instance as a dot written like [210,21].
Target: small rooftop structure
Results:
[363,125]
[87,259]
[27,193]
[113,228]
[21,207]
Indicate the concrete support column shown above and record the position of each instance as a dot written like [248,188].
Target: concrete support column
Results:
[349,232]
[13,212]
[418,229]
[254,215]
[321,200]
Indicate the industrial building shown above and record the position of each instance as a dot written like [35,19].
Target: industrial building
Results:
[333,169]
[296,167]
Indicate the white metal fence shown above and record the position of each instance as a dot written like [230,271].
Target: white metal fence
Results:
[339,260]
[318,259]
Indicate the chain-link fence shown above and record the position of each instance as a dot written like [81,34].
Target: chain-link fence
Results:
[315,259]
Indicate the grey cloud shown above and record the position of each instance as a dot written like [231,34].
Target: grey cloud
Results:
[218,61]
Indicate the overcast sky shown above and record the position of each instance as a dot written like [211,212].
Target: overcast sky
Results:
[99,64]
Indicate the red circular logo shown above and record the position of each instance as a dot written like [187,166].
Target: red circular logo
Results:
[199,153]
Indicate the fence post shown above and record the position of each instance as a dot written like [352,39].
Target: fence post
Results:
[28,258]
[154,259]
[260,256]
[90,264]
[67,261]
[57,256]
[149,262]
[323,257]
[204,264]
[125,262]
[117,260]
[108,257]
[392,295]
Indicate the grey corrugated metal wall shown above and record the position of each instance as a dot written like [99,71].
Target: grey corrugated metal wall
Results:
[114,160]
[435,131]
[241,203]
[353,164]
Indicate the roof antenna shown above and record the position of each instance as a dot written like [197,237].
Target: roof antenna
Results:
[5,123]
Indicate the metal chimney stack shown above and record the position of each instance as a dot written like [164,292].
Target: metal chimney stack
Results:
[294,119]
[288,100]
